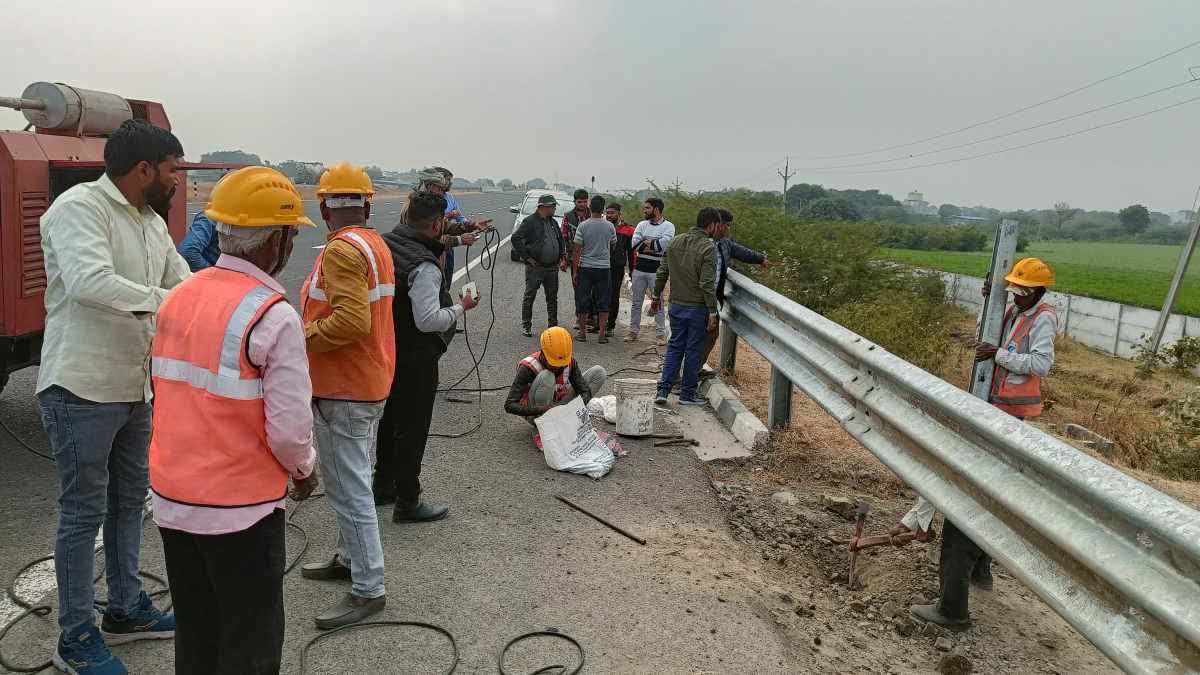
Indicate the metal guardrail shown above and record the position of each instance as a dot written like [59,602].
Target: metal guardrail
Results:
[1119,560]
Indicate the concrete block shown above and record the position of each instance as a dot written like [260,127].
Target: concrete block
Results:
[729,409]
[1094,440]
[717,391]
[749,431]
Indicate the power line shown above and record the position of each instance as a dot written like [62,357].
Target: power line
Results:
[902,158]
[1032,143]
[1014,112]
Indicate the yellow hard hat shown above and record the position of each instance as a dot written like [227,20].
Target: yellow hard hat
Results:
[1031,272]
[556,346]
[256,196]
[345,179]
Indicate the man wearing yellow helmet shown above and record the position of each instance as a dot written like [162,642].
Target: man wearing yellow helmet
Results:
[551,377]
[232,425]
[1022,359]
[347,306]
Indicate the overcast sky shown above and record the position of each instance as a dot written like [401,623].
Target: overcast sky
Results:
[711,93]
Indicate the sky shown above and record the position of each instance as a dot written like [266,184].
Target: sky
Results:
[710,94]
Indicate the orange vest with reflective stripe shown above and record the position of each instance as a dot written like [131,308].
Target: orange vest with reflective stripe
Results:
[562,381]
[209,446]
[362,370]
[1023,399]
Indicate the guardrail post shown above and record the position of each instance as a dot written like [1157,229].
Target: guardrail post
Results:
[779,410]
[728,347]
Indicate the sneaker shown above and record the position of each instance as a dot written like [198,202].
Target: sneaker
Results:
[930,614]
[661,398]
[631,337]
[691,400]
[661,341]
[603,339]
[580,336]
[527,332]
[146,622]
[86,655]
[593,329]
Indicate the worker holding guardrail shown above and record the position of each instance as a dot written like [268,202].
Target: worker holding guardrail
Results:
[1021,361]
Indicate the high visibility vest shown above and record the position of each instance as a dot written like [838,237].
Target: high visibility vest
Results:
[209,446]
[1022,399]
[562,379]
[362,370]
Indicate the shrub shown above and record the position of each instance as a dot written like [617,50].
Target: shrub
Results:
[934,237]
[1174,449]
[913,323]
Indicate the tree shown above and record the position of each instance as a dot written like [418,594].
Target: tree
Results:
[373,172]
[226,156]
[536,184]
[801,194]
[486,182]
[1134,219]
[506,183]
[948,212]
[1062,213]
[829,208]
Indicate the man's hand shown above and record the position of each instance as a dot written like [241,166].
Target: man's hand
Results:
[987,289]
[712,322]
[766,263]
[468,239]
[482,225]
[531,262]
[575,278]
[984,351]
[454,215]
[654,302]
[470,302]
[562,265]
[302,488]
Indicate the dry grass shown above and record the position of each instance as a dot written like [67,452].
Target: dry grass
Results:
[1100,392]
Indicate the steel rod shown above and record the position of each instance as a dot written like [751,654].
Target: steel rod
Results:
[600,520]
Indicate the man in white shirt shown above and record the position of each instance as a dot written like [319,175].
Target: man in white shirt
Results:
[109,264]
[650,240]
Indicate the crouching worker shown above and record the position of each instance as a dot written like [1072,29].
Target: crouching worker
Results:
[551,377]
[232,425]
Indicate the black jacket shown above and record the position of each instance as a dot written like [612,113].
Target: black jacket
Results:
[527,239]
[409,249]
[730,249]
[621,251]
[524,380]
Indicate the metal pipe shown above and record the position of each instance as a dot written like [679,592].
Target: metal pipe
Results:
[1184,258]
[599,519]
[22,103]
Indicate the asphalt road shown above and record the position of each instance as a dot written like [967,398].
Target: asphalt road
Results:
[508,560]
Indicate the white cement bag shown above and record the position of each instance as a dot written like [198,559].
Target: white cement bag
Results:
[569,442]
[605,406]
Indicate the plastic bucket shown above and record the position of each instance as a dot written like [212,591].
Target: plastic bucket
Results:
[635,406]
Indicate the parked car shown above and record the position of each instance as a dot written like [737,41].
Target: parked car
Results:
[529,205]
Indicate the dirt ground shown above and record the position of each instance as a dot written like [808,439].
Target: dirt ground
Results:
[775,504]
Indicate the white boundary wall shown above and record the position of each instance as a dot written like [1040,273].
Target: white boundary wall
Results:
[1108,326]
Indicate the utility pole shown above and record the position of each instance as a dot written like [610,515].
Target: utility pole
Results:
[593,186]
[1184,258]
[785,175]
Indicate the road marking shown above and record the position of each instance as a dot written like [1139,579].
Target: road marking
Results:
[471,265]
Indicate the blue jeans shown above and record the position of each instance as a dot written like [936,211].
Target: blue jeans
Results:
[689,334]
[345,432]
[102,454]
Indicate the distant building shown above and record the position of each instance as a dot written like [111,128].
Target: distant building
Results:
[915,203]
[1182,218]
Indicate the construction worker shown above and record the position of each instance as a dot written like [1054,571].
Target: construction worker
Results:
[690,264]
[550,377]
[109,264]
[1022,359]
[347,307]
[232,423]
[424,317]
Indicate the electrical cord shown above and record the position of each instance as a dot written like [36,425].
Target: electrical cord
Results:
[380,624]
[544,633]
[22,442]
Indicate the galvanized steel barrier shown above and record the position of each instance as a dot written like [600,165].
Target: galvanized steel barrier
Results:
[1117,559]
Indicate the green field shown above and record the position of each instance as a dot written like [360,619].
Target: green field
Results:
[1134,274]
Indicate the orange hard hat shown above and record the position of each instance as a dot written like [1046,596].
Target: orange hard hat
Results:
[556,346]
[1031,272]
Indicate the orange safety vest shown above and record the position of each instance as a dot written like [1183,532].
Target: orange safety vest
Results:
[562,381]
[1023,399]
[209,446]
[362,370]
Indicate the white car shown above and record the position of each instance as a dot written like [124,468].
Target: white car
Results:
[529,205]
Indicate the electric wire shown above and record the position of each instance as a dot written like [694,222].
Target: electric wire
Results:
[1012,113]
[20,441]
[544,633]
[1006,134]
[1030,144]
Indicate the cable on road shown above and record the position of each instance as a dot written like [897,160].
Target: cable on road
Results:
[544,671]
[22,443]
[381,624]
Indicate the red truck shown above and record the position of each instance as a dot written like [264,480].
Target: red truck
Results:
[62,145]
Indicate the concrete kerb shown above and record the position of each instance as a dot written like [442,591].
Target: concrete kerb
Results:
[733,414]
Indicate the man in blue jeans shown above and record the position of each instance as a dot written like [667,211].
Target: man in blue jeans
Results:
[109,264]
[690,264]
